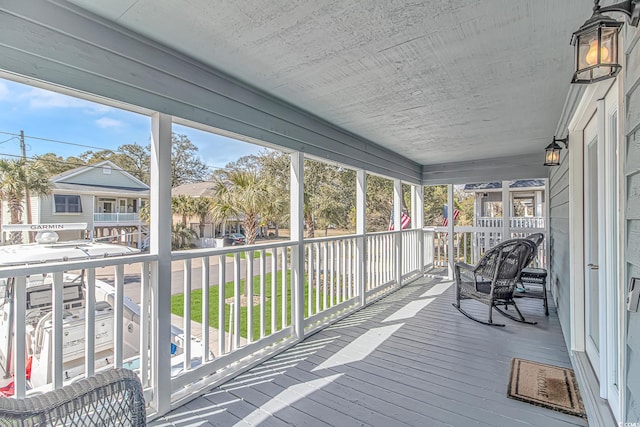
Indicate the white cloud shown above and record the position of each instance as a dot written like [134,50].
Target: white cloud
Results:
[41,99]
[106,122]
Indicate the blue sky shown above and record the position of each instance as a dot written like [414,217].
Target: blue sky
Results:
[49,115]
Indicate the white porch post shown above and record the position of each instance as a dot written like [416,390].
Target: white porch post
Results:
[418,221]
[450,251]
[361,211]
[506,211]
[539,210]
[475,236]
[160,230]
[547,216]
[397,227]
[93,218]
[297,240]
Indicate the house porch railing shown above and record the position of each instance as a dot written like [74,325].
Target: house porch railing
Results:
[470,243]
[118,217]
[514,222]
[233,326]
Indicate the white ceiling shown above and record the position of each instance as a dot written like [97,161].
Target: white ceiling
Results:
[436,81]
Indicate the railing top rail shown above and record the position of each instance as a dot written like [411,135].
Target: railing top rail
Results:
[470,228]
[527,230]
[203,252]
[381,233]
[56,267]
[332,238]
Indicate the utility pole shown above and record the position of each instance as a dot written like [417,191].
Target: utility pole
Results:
[26,190]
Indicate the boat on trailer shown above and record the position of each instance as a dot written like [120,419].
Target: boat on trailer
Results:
[39,322]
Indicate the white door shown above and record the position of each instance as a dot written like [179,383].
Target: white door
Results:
[602,309]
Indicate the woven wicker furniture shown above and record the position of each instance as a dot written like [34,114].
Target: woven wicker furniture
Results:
[110,398]
[493,280]
[533,281]
[534,285]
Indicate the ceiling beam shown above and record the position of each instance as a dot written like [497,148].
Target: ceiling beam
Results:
[528,166]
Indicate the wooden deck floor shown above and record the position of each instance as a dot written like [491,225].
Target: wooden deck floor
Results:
[410,359]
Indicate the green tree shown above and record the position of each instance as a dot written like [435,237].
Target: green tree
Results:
[16,178]
[379,202]
[52,164]
[185,165]
[181,234]
[272,167]
[182,205]
[243,194]
[435,197]
[136,160]
[145,213]
[201,208]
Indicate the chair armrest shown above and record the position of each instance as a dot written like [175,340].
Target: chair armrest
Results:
[465,266]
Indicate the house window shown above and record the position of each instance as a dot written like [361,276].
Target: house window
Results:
[65,203]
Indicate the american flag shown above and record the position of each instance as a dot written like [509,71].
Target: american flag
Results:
[445,219]
[405,220]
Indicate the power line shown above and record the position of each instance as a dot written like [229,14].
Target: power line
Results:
[64,162]
[7,140]
[57,141]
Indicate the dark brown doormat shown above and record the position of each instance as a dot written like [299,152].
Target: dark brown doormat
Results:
[549,386]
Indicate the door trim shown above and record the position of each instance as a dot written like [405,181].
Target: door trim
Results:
[597,408]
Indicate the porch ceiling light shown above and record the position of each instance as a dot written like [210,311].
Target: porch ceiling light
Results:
[552,152]
[596,42]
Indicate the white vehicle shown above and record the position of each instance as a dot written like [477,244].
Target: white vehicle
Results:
[39,323]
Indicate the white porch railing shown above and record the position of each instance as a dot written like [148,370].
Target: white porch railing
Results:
[236,324]
[234,305]
[116,217]
[514,222]
[470,243]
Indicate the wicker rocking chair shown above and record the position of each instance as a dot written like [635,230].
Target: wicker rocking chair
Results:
[110,398]
[493,280]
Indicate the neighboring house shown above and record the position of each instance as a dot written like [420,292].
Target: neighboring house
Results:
[103,195]
[527,207]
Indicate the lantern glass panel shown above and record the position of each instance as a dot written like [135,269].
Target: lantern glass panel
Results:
[586,47]
[609,49]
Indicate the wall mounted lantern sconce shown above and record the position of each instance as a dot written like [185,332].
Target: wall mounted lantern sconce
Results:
[552,152]
[596,42]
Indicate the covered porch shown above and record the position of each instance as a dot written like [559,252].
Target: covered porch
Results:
[408,359]
[433,93]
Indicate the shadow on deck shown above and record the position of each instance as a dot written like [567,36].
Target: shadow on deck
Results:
[409,359]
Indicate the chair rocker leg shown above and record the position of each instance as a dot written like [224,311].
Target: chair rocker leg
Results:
[520,317]
[489,323]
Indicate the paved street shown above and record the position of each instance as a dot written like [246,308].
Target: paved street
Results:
[132,275]
[132,287]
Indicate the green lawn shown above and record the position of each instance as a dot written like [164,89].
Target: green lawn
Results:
[177,304]
[256,254]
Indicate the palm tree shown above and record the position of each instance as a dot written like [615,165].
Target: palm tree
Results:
[182,205]
[201,207]
[180,235]
[243,192]
[16,178]
[145,213]
[277,210]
